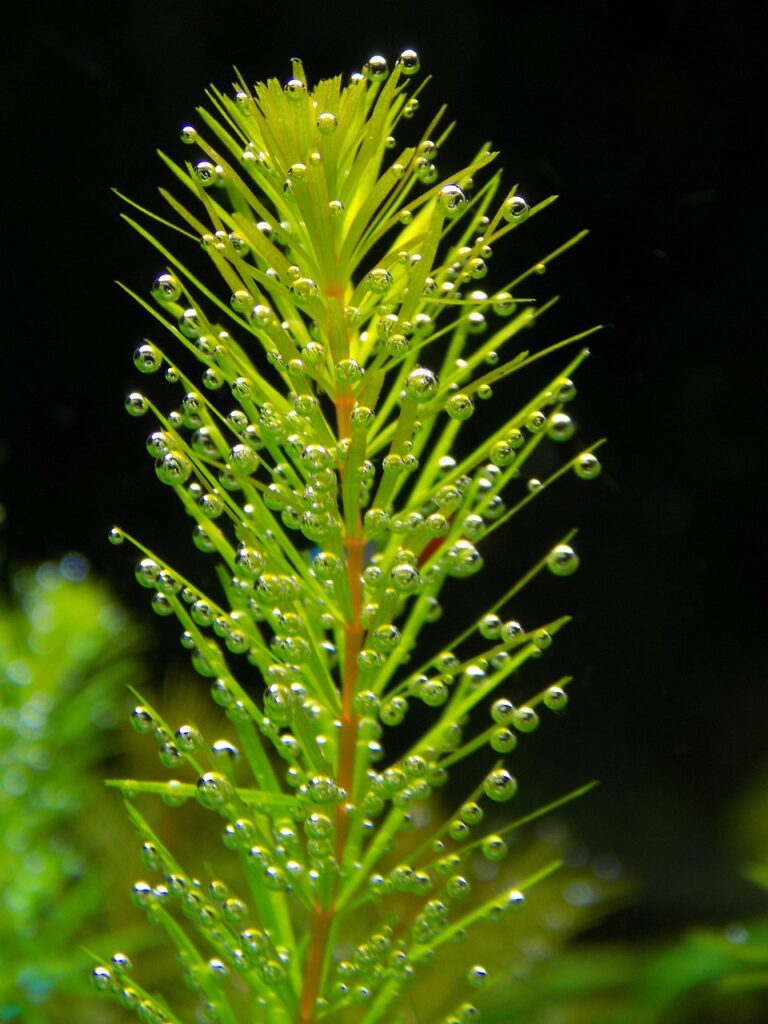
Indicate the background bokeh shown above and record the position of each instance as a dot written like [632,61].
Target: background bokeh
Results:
[643,119]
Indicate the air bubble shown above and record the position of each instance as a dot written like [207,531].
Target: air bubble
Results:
[515,209]
[326,123]
[295,89]
[166,288]
[136,404]
[379,280]
[499,785]
[421,384]
[494,848]
[174,468]
[478,977]
[376,69]
[409,62]
[587,466]
[459,407]
[451,199]
[560,427]
[525,719]
[147,358]
[213,790]
[555,698]
[562,560]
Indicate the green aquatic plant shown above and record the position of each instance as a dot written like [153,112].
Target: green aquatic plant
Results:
[326,448]
[67,652]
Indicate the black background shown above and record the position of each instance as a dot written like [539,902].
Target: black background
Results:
[645,120]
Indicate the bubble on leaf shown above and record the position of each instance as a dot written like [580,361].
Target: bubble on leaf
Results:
[560,427]
[525,719]
[494,848]
[459,407]
[478,977]
[376,68]
[562,560]
[166,288]
[499,785]
[515,209]
[451,199]
[409,62]
[555,698]
[147,358]
[587,466]
[326,123]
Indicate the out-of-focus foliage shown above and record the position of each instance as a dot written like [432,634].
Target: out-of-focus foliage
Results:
[67,653]
[708,975]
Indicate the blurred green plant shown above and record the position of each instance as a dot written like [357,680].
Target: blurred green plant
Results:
[341,495]
[67,652]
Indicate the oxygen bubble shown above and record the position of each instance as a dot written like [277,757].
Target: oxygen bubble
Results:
[499,785]
[188,134]
[147,358]
[494,848]
[587,466]
[503,740]
[409,62]
[462,559]
[206,173]
[295,89]
[376,69]
[379,280]
[116,535]
[136,404]
[213,790]
[394,711]
[562,560]
[405,578]
[348,371]
[555,698]
[174,468]
[503,304]
[459,407]
[335,207]
[502,711]
[224,752]
[478,977]
[326,123]
[525,719]
[560,427]
[242,459]
[321,789]
[433,692]
[142,719]
[515,209]
[421,384]
[451,199]
[161,605]
[101,978]
[146,572]
[536,422]
[188,738]
[502,453]
[166,288]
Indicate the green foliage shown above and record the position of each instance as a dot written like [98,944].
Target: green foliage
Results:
[325,451]
[66,655]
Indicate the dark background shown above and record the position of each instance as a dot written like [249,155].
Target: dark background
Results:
[644,120]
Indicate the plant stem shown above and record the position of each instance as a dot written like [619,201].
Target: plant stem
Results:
[323,915]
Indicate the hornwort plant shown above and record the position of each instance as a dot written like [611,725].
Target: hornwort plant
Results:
[320,449]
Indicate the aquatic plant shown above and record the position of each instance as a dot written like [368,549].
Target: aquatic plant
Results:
[67,652]
[326,447]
